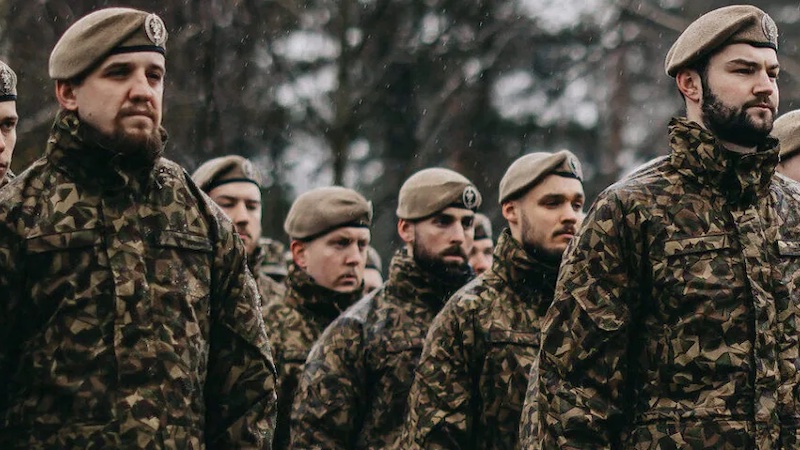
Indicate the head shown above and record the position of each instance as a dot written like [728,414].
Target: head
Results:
[234,183]
[372,272]
[542,199]
[480,257]
[329,231]
[787,131]
[436,211]
[109,69]
[8,117]
[726,67]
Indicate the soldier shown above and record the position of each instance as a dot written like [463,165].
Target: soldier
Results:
[129,317]
[675,318]
[373,272]
[329,231]
[235,184]
[787,131]
[353,390]
[480,257]
[8,121]
[473,373]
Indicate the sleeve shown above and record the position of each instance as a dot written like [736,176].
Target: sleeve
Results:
[440,411]
[240,385]
[582,365]
[330,400]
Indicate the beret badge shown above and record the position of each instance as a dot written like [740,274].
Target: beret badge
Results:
[470,197]
[770,29]
[155,29]
[6,81]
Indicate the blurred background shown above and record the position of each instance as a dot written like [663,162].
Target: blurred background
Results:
[363,93]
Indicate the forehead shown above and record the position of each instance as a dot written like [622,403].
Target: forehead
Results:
[146,59]
[556,185]
[8,110]
[746,52]
[238,189]
[457,213]
[354,233]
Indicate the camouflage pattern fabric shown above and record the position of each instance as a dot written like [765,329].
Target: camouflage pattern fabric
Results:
[675,318]
[268,258]
[268,288]
[9,176]
[354,388]
[294,323]
[129,318]
[473,372]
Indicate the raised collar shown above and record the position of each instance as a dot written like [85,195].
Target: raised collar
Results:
[304,292]
[408,281]
[524,273]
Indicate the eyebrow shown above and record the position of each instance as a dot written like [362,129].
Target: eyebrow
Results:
[234,198]
[749,63]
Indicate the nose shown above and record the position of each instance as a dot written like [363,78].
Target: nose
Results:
[354,255]
[2,143]
[571,215]
[765,85]
[141,89]
[458,234]
[239,214]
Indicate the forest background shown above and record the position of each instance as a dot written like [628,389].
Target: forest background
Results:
[363,93]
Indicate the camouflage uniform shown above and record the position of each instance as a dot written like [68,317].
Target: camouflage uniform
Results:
[268,288]
[354,388]
[675,320]
[269,260]
[128,316]
[473,373]
[295,323]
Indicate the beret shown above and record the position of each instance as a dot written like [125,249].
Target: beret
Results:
[724,26]
[322,210]
[225,169]
[432,190]
[102,33]
[787,130]
[374,259]
[8,83]
[529,169]
[483,227]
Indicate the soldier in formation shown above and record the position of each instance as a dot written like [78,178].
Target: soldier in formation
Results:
[787,131]
[373,272]
[480,257]
[129,317]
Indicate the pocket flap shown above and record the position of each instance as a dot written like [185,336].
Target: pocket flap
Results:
[62,241]
[512,337]
[168,238]
[699,244]
[789,248]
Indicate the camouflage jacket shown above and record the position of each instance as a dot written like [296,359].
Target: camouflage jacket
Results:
[473,372]
[293,324]
[128,317]
[675,319]
[353,391]
[268,259]
[268,288]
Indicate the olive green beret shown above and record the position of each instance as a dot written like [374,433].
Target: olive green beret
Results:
[373,259]
[432,190]
[322,210]
[787,130]
[529,169]
[483,227]
[102,33]
[724,26]
[8,83]
[226,169]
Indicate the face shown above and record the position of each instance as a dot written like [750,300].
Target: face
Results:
[740,94]
[372,280]
[8,135]
[480,257]
[791,167]
[546,218]
[241,201]
[335,260]
[445,237]
[120,99]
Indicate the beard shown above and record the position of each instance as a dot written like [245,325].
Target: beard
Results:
[136,148]
[732,124]
[536,249]
[451,272]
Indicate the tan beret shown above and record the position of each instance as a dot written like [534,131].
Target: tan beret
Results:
[529,169]
[103,33]
[8,83]
[787,130]
[322,210]
[724,26]
[432,190]
[483,227]
[226,169]
[374,259]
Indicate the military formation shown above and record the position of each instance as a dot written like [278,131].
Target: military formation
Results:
[143,308]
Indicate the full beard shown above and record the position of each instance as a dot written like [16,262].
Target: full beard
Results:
[136,149]
[535,249]
[450,272]
[734,124]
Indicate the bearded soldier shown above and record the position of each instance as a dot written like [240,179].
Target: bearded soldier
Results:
[353,390]
[8,121]
[473,373]
[234,184]
[329,231]
[129,317]
[675,318]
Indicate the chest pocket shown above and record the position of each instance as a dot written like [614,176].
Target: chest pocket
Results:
[61,254]
[181,263]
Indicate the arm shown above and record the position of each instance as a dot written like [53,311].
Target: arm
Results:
[440,412]
[240,385]
[329,403]
[582,366]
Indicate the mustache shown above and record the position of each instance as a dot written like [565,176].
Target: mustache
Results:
[567,229]
[760,102]
[142,110]
[454,251]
